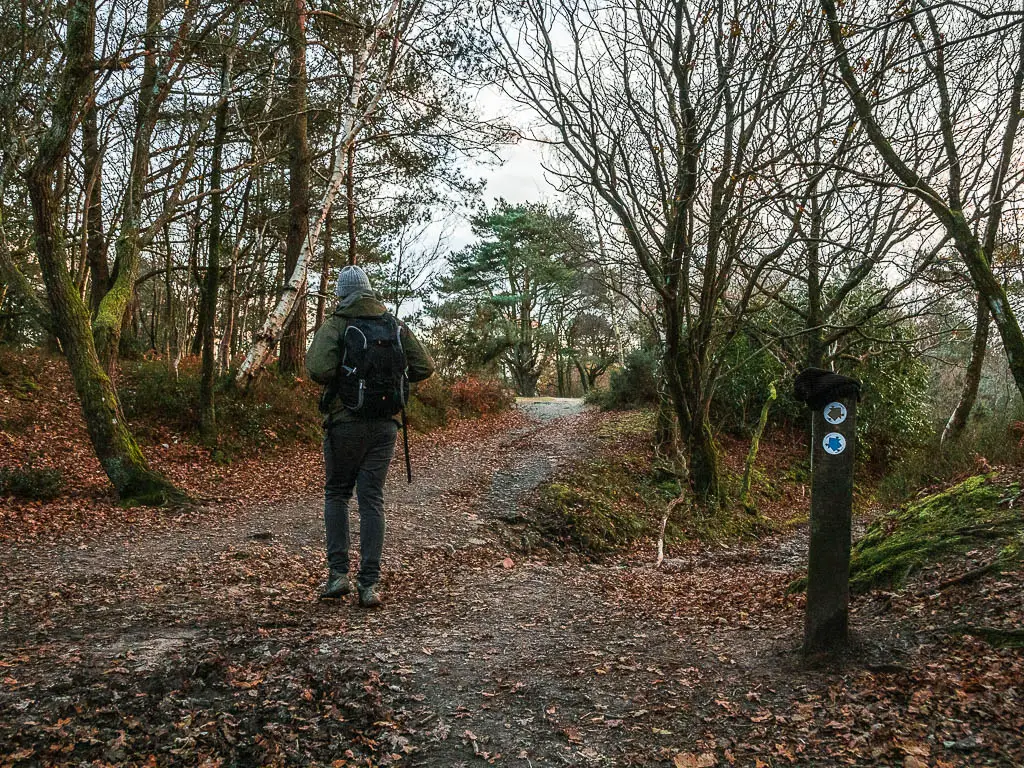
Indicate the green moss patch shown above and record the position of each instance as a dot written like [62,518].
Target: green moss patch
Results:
[979,512]
[612,500]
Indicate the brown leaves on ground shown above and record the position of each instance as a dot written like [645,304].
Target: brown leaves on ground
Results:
[691,760]
[232,701]
[145,640]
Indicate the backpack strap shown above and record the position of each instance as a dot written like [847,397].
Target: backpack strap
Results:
[348,370]
[331,390]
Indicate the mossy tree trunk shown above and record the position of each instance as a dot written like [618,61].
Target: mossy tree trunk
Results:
[159,75]
[665,433]
[117,451]
[755,444]
[705,463]
[972,380]
[692,403]
[524,380]
[586,380]
[975,251]
[110,314]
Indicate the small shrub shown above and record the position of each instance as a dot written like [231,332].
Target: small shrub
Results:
[633,386]
[474,397]
[894,417]
[275,409]
[437,401]
[151,393]
[19,374]
[740,392]
[993,437]
[31,483]
[430,406]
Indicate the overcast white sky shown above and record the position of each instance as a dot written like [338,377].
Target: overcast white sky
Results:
[520,177]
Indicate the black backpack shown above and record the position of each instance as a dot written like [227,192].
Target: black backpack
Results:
[371,379]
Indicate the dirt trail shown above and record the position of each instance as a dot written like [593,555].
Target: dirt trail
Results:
[540,663]
[201,644]
[458,622]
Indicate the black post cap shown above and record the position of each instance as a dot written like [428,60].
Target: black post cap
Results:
[817,387]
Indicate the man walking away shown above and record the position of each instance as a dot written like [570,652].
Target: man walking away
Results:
[364,358]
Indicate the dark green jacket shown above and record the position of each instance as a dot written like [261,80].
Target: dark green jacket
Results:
[325,352]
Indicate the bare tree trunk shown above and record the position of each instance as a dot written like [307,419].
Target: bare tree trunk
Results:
[815,357]
[171,339]
[325,277]
[96,247]
[154,317]
[958,419]
[207,409]
[561,386]
[196,345]
[325,263]
[230,310]
[116,449]
[586,382]
[293,342]
[350,200]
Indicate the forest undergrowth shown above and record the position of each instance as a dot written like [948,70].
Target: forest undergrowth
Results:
[52,486]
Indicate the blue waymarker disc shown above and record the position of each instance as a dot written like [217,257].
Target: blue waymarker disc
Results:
[834,443]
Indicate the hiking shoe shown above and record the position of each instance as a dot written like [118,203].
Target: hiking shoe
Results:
[337,586]
[369,597]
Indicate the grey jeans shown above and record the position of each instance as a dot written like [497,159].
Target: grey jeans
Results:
[356,457]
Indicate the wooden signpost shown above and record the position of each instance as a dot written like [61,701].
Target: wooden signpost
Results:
[833,402]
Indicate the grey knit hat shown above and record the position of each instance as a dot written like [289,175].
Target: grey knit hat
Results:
[352,280]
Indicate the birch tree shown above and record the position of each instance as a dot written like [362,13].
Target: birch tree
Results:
[376,61]
[115,447]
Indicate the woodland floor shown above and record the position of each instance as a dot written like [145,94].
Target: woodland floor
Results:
[198,640]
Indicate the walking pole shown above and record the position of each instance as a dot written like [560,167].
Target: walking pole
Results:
[405,440]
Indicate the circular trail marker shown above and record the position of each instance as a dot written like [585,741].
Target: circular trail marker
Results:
[834,443]
[835,413]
